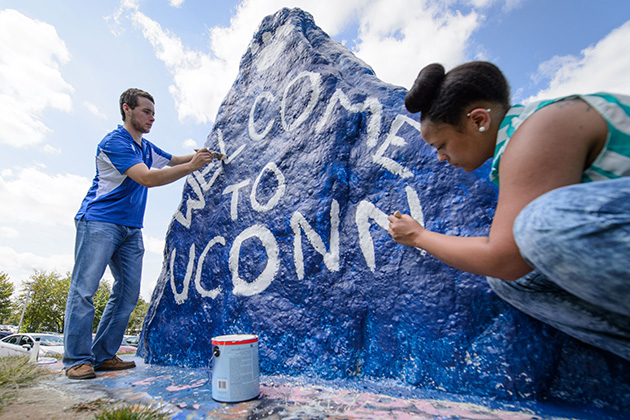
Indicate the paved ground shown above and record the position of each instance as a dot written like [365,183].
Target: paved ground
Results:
[186,395]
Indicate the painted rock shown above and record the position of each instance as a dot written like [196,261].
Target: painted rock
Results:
[287,238]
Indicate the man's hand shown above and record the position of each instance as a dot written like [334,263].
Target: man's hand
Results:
[201,158]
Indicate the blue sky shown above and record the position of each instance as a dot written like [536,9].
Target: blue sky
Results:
[64,64]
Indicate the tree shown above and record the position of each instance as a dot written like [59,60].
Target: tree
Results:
[47,302]
[46,306]
[100,299]
[137,317]
[6,291]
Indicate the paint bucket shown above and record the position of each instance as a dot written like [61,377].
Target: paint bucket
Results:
[235,368]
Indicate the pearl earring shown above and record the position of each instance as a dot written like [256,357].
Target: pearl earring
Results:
[482,129]
[487,110]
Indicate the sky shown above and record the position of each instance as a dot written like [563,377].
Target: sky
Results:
[64,64]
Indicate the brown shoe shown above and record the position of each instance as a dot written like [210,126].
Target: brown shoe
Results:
[82,371]
[116,363]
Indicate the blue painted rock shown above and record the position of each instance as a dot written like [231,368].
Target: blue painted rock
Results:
[287,238]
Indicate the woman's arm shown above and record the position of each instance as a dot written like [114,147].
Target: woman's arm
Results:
[550,150]
[478,255]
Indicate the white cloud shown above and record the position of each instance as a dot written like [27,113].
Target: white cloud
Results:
[9,232]
[396,39]
[392,39]
[30,80]
[604,66]
[202,79]
[399,38]
[39,198]
[153,245]
[512,4]
[508,5]
[49,150]
[176,3]
[190,144]
[21,265]
[94,110]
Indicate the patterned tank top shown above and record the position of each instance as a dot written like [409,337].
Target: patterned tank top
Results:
[614,159]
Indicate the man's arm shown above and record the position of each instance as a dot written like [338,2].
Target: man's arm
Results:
[178,160]
[179,166]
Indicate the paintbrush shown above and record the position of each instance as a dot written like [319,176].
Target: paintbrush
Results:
[215,155]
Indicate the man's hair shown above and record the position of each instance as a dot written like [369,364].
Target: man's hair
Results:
[130,97]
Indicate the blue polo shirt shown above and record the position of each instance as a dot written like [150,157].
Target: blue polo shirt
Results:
[113,196]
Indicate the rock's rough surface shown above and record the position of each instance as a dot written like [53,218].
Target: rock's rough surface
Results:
[288,239]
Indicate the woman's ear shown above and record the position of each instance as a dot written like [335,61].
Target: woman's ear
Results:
[480,118]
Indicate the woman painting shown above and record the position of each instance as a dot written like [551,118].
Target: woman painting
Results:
[559,245]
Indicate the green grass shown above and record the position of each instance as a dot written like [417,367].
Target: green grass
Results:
[16,372]
[132,412]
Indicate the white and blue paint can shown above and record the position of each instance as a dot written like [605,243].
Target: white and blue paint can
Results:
[235,368]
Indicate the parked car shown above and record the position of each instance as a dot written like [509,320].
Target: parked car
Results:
[18,344]
[125,347]
[132,340]
[5,334]
[10,328]
[50,345]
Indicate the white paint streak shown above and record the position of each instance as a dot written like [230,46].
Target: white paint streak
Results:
[223,149]
[331,259]
[200,176]
[280,189]
[365,212]
[180,297]
[203,292]
[191,204]
[271,51]
[394,140]
[415,209]
[233,189]
[316,80]
[242,287]
[371,104]
[250,126]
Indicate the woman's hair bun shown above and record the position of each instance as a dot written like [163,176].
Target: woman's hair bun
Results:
[425,89]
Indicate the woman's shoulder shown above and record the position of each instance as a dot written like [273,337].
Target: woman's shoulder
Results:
[590,114]
[558,123]
[602,102]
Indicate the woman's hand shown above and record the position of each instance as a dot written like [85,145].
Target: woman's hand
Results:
[404,229]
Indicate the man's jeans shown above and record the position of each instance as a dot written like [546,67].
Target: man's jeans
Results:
[578,240]
[97,245]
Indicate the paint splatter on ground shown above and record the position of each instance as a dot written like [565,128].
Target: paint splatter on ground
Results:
[186,395]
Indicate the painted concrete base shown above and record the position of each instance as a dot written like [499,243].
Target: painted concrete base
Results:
[186,395]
